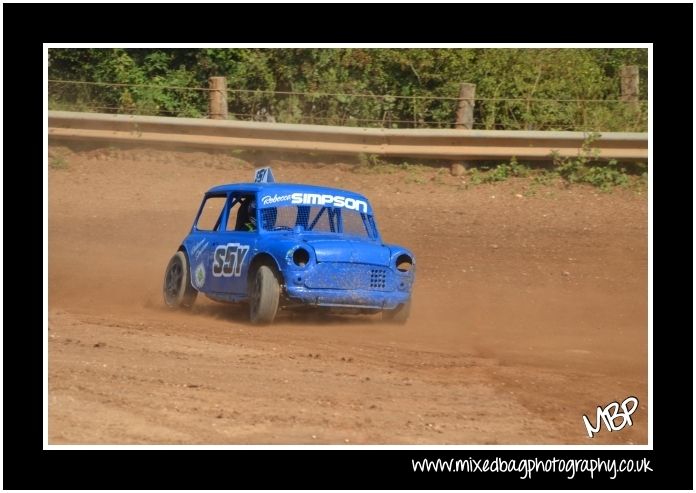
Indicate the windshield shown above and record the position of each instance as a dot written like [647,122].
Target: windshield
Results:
[319,219]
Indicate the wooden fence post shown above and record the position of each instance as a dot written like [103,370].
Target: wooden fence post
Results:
[464,119]
[630,84]
[217,109]
[465,108]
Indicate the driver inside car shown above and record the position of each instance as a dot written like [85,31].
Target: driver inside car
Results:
[246,218]
[250,224]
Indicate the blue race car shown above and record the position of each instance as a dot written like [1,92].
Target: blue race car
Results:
[280,245]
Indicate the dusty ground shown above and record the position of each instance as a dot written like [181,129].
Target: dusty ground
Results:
[530,310]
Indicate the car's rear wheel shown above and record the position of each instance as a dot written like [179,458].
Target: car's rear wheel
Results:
[264,296]
[177,289]
[398,315]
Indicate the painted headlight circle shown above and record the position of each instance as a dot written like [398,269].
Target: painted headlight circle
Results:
[404,263]
[300,257]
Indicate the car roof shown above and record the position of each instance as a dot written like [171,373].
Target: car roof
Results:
[283,189]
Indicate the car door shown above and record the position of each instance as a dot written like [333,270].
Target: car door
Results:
[230,254]
[203,238]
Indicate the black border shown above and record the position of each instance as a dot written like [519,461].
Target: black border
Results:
[27,466]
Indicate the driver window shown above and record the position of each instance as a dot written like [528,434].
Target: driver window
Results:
[239,217]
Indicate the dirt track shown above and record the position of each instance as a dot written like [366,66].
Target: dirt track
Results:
[530,310]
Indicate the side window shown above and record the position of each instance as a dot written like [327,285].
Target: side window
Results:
[210,217]
[242,215]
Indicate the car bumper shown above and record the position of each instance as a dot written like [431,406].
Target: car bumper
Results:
[355,298]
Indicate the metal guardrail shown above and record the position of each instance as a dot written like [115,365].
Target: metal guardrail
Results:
[427,143]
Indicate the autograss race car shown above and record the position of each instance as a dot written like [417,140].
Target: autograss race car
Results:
[285,246]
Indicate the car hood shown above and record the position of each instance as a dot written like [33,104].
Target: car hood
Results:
[357,251]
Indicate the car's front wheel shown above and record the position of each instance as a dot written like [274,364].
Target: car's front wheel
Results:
[264,296]
[177,289]
[398,315]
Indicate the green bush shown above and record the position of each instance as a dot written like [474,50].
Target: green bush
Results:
[588,167]
[361,86]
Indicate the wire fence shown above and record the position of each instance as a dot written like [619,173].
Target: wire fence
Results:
[364,110]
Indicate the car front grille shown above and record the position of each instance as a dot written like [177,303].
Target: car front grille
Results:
[335,275]
[378,278]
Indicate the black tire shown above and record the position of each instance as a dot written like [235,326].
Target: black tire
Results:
[264,296]
[177,289]
[398,315]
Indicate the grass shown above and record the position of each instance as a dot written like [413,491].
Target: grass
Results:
[57,162]
[587,167]
[373,164]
